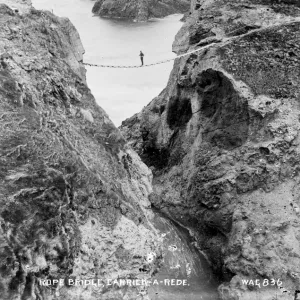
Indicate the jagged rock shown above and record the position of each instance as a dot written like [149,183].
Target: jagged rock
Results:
[222,141]
[73,197]
[140,10]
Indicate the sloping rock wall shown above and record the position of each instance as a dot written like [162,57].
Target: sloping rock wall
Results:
[222,140]
[73,197]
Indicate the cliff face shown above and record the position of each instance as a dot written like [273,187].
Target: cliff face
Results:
[139,10]
[223,141]
[73,197]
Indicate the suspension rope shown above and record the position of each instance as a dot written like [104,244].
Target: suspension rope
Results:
[181,55]
[167,60]
[149,65]
[225,40]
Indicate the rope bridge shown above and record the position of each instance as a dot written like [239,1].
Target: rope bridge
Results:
[149,65]
[198,49]
[166,60]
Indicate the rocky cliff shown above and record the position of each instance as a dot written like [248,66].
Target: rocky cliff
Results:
[222,140]
[140,10]
[73,197]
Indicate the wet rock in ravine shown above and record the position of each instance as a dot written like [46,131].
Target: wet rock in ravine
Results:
[222,140]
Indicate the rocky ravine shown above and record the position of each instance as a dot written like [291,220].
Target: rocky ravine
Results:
[73,197]
[140,10]
[223,141]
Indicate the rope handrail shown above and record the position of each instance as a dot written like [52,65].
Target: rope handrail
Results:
[149,65]
[170,59]
[162,61]
[225,40]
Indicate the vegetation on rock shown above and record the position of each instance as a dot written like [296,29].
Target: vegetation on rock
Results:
[73,196]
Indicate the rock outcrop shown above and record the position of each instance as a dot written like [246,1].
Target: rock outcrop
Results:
[139,10]
[73,197]
[222,140]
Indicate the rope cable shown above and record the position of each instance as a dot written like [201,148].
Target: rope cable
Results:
[225,40]
[152,64]
[162,61]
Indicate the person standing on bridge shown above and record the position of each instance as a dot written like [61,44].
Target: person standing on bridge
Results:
[142,57]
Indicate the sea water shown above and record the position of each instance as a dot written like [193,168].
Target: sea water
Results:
[124,92]
[120,92]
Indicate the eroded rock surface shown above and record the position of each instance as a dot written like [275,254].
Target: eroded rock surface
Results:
[140,10]
[223,142]
[73,197]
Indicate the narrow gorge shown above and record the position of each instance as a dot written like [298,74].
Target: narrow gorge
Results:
[74,196]
[201,186]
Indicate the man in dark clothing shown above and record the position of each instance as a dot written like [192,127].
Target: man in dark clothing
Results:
[142,57]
